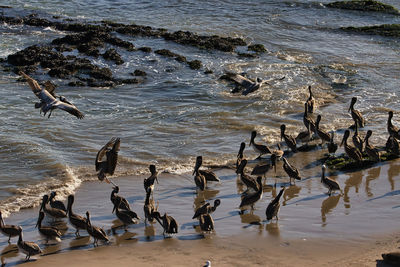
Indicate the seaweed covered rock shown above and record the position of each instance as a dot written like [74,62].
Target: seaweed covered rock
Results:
[364,5]
[112,54]
[259,48]
[139,73]
[390,30]
[168,53]
[195,64]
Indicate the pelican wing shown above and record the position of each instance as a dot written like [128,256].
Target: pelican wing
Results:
[240,80]
[112,156]
[102,152]
[71,109]
[36,89]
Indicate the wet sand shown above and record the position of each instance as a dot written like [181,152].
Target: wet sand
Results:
[352,227]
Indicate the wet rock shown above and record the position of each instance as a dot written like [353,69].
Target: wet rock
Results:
[101,73]
[246,55]
[208,71]
[167,53]
[364,5]
[112,54]
[63,48]
[33,55]
[259,48]
[390,30]
[27,69]
[38,22]
[139,73]
[195,64]
[76,84]
[127,81]
[89,49]
[145,49]
[94,83]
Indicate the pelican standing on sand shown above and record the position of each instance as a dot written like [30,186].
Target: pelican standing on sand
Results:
[56,203]
[274,206]
[168,223]
[352,152]
[107,166]
[149,209]
[124,204]
[208,174]
[206,222]
[308,120]
[262,169]
[355,114]
[49,232]
[258,148]
[325,137]
[28,248]
[289,140]
[48,102]
[372,152]
[148,183]
[77,221]
[249,200]
[310,101]
[291,171]
[9,230]
[96,232]
[126,217]
[393,130]
[249,181]
[52,212]
[206,208]
[329,183]
[199,178]
[240,154]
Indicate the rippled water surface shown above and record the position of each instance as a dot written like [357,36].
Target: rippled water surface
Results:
[178,113]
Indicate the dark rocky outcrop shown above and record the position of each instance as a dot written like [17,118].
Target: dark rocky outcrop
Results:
[112,54]
[390,30]
[139,73]
[364,5]
[259,48]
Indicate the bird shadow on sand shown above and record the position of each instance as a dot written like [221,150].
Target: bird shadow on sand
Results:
[388,194]
[381,263]
[307,199]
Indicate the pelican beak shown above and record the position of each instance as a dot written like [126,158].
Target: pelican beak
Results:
[108,181]
[341,144]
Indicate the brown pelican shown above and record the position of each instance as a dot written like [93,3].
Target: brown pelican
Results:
[47,101]
[9,230]
[357,141]
[393,130]
[209,175]
[168,223]
[278,152]
[206,208]
[206,222]
[392,258]
[148,183]
[199,178]
[352,152]
[370,149]
[240,154]
[264,168]
[249,181]
[289,140]
[77,221]
[49,232]
[56,203]
[332,146]
[258,148]
[355,114]
[249,200]
[248,85]
[126,217]
[149,209]
[329,183]
[124,204]
[304,136]
[96,232]
[53,212]
[28,248]
[392,145]
[107,166]
[308,120]
[274,206]
[291,171]
[325,137]
[310,101]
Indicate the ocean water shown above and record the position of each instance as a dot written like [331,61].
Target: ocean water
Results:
[177,113]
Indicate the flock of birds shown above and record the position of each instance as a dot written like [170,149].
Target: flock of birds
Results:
[107,158]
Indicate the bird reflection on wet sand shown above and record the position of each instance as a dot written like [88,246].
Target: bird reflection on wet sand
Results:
[373,174]
[354,180]
[328,205]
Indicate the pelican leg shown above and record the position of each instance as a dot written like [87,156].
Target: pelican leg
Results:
[49,114]
[9,239]
[77,233]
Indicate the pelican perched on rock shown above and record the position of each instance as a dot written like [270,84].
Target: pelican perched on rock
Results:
[206,208]
[28,248]
[357,140]
[249,200]
[352,152]
[48,102]
[9,230]
[125,216]
[96,232]
[56,203]
[249,181]
[274,206]
[52,212]
[206,222]
[332,146]
[329,183]
[77,221]
[372,152]
[124,204]
[148,183]
[199,178]
[262,169]
[208,174]
[289,140]
[240,154]
[168,223]
[325,137]
[393,130]
[110,152]
[355,114]
[49,232]
[310,103]
[291,171]
[308,120]
[258,148]
[392,145]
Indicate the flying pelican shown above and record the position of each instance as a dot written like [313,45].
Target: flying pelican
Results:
[168,223]
[9,230]
[352,152]
[310,101]
[148,183]
[208,174]
[248,85]
[329,183]
[96,232]
[47,101]
[291,171]
[274,206]
[258,148]
[355,114]
[56,203]
[206,208]
[28,248]
[370,149]
[49,232]
[107,166]
[77,221]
